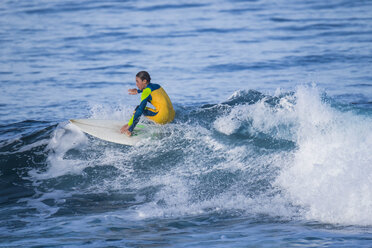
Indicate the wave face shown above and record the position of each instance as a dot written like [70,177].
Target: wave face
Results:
[291,156]
[326,170]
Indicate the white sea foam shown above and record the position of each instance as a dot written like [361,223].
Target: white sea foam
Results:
[331,174]
[261,117]
[107,112]
[180,189]
[64,138]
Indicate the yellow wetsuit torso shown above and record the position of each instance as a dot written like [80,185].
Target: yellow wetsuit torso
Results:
[163,107]
[162,113]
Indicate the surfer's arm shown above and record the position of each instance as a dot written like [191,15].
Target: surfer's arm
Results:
[139,111]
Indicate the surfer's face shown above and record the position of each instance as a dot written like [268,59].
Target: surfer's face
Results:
[141,84]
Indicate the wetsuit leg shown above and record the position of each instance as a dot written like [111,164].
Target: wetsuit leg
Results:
[149,112]
[146,112]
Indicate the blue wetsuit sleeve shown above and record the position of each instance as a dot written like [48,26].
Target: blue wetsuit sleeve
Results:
[139,111]
[137,114]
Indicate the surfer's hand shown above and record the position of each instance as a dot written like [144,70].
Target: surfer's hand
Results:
[132,92]
[124,128]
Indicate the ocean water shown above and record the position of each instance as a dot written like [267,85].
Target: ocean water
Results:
[271,145]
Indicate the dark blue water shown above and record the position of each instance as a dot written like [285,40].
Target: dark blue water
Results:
[271,145]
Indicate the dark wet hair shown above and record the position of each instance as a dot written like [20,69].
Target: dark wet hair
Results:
[144,75]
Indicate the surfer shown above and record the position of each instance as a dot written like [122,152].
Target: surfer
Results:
[154,94]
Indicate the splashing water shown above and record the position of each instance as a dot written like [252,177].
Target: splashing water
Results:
[282,155]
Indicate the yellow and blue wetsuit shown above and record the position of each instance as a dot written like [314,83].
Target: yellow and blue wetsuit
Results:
[163,112]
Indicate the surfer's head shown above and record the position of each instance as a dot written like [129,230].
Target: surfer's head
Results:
[142,79]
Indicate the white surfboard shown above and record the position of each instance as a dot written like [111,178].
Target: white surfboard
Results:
[109,130]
